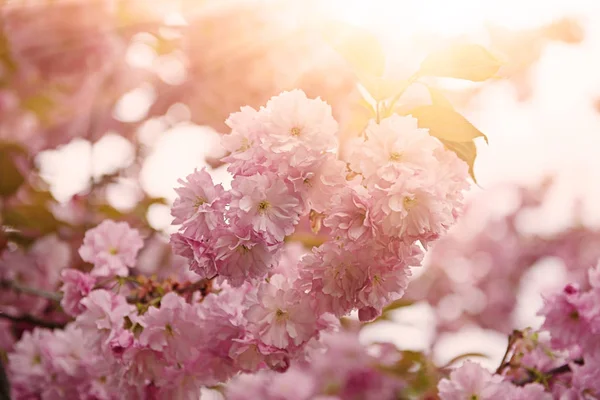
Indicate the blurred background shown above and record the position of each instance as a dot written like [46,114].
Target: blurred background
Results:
[159,78]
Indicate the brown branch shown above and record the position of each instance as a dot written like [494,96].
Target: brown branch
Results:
[201,285]
[550,373]
[17,287]
[512,338]
[29,319]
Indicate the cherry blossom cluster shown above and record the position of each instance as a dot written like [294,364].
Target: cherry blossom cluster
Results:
[123,344]
[343,369]
[262,302]
[561,361]
[473,273]
[471,381]
[399,188]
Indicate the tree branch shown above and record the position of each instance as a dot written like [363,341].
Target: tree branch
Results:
[512,338]
[28,319]
[4,384]
[550,373]
[17,287]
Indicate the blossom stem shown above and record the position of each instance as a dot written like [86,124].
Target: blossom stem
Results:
[553,372]
[201,285]
[511,342]
[17,287]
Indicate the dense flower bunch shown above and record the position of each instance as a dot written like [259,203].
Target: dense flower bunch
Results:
[96,303]
[284,169]
[562,361]
[473,273]
[258,302]
[343,369]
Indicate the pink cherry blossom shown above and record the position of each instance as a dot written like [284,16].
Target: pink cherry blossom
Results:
[319,181]
[412,207]
[200,204]
[386,282]
[532,391]
[351,219]
[169,329]
[103,316]
[564,319]
[291,120]
[241,255]
[471,381]
[265,203]
[281,317]
[76,286]
[334,277]
[27,372]
[199,254]
[112,247]
[391,145]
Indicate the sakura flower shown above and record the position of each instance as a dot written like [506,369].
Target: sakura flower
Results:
[241,255]
[141,364]
[76,286]
[266,203]
[564,319]
[247,154]
[199,254]
[291,120]
[200,204]
[471,381]
[246,130]
[25,362]
[171,328]
[393,142]
[318,179]
[121,342]
[281,317]
[413,208]
[103,316]
[585,377]
[351,219]
[387,280]
[334,277]
[532,391]
[112,247]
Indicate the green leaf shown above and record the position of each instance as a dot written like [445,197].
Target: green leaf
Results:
[464,61]
[359,47]
[466,151]
[381,88]
[438,98]
[445,123]
[11,178]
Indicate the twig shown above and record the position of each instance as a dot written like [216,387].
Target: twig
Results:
[33,320]
[511,342]
[17,287]
[4,384]
[201,285]
[553,372]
